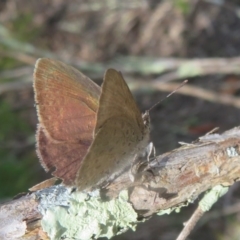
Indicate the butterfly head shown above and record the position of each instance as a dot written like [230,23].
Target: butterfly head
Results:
[146,120]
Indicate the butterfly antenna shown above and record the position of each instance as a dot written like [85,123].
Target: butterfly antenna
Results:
[171,93]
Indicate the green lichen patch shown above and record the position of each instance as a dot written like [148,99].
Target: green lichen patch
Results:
[90,218]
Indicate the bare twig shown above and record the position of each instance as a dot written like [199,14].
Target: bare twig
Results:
[16,85]
[188,227]
[204,205]
[188,90]
[16,73]
[201,93]
[171,68]
[19,56]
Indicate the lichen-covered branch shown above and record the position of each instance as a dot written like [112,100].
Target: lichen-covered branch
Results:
[167,183]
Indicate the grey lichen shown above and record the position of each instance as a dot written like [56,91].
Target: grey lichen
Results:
[89,217]
[53,196]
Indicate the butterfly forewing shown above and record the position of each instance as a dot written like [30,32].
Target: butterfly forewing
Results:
[66,102]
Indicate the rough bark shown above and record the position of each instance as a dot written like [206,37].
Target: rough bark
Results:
[170,181]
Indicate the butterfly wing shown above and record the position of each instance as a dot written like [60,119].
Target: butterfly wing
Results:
[119,130]
[117,100]
[66,102]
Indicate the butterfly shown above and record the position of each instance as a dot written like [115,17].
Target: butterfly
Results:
[88,134]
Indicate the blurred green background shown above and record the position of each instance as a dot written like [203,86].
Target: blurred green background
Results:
[130,36]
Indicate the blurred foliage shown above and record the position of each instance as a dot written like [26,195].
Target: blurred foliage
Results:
[19,29]
[6,63]
[10,123]
[15,164]
[183,6]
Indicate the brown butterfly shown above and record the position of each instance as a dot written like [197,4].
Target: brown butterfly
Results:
[67,102]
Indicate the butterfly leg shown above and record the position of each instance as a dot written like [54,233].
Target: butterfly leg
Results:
[141,163]
[151,152]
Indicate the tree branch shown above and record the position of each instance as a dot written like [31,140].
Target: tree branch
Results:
[167,183]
